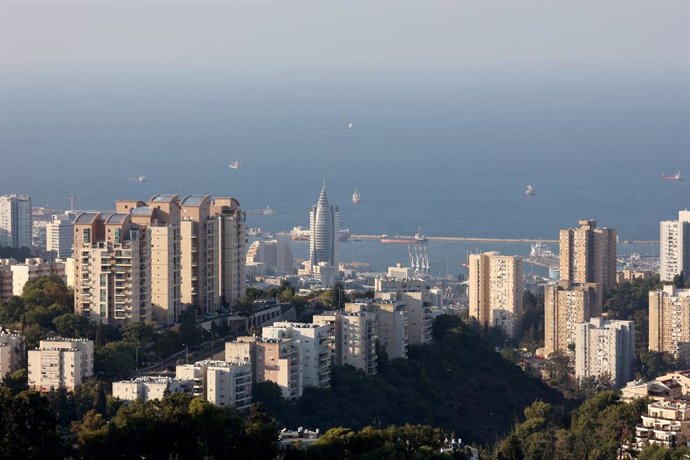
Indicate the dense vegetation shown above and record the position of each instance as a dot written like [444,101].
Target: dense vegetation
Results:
[458,383]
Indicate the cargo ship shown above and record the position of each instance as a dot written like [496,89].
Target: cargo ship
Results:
[676,177]
[356,197]
[397,239]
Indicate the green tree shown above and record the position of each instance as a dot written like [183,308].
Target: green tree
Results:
[17,381]
[28,428]
[71,325]
[12,311]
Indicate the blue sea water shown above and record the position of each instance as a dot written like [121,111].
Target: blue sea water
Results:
[450,153]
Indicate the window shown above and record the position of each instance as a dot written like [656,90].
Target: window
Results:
[86,235]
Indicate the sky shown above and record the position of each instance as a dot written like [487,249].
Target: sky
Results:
[61,36]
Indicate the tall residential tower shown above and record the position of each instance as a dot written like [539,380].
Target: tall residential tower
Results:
[588,254]
[675,247]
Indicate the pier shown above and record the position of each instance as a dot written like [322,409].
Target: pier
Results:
[472,239]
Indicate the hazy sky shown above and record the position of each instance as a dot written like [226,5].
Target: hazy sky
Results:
[60,35]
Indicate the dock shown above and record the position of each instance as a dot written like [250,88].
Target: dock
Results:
[474,239]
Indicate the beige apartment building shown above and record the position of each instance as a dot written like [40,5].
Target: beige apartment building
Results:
[666,423]
[60,363]
[231,243]
[605,348]
[391,321]
[15,275]
[669,322]
[495,291]
[315,349]
[11,346]
[564,308]
[353,338]
[112,271]
[588,254]
[275,360]
[150,388]
[223,383]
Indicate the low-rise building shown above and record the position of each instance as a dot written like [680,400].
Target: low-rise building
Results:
[11,345]
[658,389]
[149,388]
[60,363]
[15,275]
[666,423]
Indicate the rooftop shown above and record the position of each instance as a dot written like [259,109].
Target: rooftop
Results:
[163,198]
[87,218]
[194,200]
[116,218]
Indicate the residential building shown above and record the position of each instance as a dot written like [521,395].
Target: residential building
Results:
[30,269]
[669,322]
[496,287]
[324,224]
[666,423]
[60,363]
[588,255]
[59,237]
[391,320]
[564,308]
[399,272]
[315,349]
[231,242]
[275,360]
[11,347]
[112,269]
[657,389]
[629,275]
[16,222]
[605,348]
[353,338]
[150,388]
[223,383]
[276,256]
[325,273]
[674,251]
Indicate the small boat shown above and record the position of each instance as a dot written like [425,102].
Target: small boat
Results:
[269,211]
[235,165]
[350,125]
[677,177]
[139,179]
[356,197]
[529,191]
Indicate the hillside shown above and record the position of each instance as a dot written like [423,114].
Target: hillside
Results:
[458,383]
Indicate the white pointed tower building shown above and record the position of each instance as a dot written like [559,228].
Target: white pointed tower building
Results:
[324,222]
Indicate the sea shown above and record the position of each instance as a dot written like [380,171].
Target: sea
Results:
[443,152]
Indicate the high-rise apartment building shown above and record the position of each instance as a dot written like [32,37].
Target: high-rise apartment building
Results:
[495,291]
[315,349]
[605,348]
[112,269]
[16,223]
[59,237]
[564,308]
[588,255]
[324,222]
[222,383]
[60,363]
[674,248]
[11,346]
[276,255]
[391,321]
[669,322]
[231,241]
[353,338]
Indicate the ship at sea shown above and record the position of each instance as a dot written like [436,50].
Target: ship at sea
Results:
[397,239]
[529,191]
[356,197]
[302,234]
[140,179]
[268,211]
[676,177]
[235,165]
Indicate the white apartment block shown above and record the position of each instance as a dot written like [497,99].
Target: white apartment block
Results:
[315,349]
[669,322]
[59,237]
[150,388]
[391,320]
[32,269]
[495,291]
[276,255]
[60,363]
[222,383]
[674,251]
[16,222]
[11,346]
[605,348]
[353,338]
[666,423]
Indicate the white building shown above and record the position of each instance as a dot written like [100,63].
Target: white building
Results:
[353,338]
[222,383]
[399,272]
[11,345]
[605,348]
[391,321]
[16,222]
[275,255]
[150,388]
[324,243]
[31,269]
[675,246]
[315,349]
[666,423]
[59,237]
[60,363]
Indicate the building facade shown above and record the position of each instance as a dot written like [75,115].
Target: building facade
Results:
[276,255]
[669,322]
[564,308]
[60,363]
[324,223]
[674,250]
[605,348]
[496,286]
[666,423]
[59,239]
[16,221]
[391,321]
[588,255]
[353,338]
[223,383]
[150,388]
[11,352]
